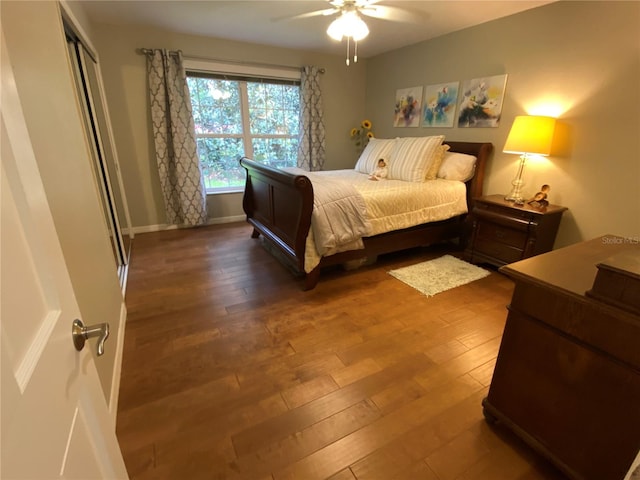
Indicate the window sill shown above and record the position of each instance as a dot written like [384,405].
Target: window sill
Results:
[223,191]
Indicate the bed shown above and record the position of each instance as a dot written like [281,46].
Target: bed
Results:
[279,205]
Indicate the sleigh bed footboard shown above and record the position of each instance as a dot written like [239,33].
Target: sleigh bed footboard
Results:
[278,205]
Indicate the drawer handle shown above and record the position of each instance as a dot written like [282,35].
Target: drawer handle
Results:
[500,234]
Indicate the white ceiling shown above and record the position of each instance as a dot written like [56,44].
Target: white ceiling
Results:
[261,21]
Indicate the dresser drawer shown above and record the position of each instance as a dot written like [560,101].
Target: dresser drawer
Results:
[491,232]
[499,251]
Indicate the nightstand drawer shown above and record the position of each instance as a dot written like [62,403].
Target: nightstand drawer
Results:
[504,253]
[491,232]
[502,216]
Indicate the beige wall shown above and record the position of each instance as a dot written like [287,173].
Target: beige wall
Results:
[124,73]
[580,58]
[35,40]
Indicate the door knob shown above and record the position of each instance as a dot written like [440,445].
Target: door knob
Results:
[81,334]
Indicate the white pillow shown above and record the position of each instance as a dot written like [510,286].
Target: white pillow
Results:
[457,166]
[411,157]
[376,149]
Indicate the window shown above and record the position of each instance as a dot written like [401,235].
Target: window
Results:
[238,116]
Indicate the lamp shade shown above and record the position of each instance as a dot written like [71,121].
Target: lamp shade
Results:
[530,134]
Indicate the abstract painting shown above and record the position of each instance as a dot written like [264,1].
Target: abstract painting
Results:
[408,107]
[481,103]
[440,104]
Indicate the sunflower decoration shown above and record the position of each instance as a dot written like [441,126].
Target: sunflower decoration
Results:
[361,135]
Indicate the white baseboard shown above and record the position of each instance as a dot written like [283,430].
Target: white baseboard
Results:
[164,226]
[153,228]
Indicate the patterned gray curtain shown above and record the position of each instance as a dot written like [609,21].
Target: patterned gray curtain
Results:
[175,142]
[311,142]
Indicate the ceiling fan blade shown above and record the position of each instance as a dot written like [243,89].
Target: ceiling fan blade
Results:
[346,4]
[316,13]
[394,14]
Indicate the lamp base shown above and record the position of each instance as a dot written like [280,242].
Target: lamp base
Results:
[515,195]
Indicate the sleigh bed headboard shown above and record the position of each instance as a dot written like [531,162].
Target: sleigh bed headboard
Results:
[482,151]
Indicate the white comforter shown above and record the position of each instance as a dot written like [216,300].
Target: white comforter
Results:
[339,213]
[388,205]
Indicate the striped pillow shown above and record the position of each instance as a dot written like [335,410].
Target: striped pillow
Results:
[376,149]
[411,157]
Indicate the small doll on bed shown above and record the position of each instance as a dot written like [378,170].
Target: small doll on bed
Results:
[381,172]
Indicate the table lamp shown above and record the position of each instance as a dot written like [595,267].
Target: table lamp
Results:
[529,135]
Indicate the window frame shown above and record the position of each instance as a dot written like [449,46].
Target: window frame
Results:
[242,73]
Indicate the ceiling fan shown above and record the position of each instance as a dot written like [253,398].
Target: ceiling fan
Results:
[370,8]
[349,23]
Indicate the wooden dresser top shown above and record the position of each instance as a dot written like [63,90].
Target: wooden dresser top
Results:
[573,268]
[500,201]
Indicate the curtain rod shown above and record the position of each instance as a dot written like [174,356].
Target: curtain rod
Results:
[149,51]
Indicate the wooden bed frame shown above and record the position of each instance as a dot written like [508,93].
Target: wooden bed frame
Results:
[278,205]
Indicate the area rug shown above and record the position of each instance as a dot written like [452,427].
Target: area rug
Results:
[438,275]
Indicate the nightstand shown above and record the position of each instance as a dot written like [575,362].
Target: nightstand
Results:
[505,233]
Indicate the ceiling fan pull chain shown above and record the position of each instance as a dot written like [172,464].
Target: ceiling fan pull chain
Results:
[355,51]
[348,51]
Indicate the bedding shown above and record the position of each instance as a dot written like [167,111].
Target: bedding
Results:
[432,173]
[411,157]
[457,166]
[376,149]
[339,214]
[387,205]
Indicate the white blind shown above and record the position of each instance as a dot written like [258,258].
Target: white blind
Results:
[257,71]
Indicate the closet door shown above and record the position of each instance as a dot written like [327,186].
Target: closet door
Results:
[104,160]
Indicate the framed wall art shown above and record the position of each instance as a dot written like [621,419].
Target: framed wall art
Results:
[481,101]
[408,107]
[439,106]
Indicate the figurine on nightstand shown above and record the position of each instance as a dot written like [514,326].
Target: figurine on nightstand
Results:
[539,200]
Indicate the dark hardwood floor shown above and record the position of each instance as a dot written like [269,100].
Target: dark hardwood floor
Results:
[231,371]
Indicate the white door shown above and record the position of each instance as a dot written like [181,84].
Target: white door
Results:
[54,417]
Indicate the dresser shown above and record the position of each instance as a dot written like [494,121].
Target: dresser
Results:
[504,233]
[567,375]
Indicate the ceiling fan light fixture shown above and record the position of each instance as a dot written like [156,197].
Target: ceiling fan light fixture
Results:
[349,24]
[335,29]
